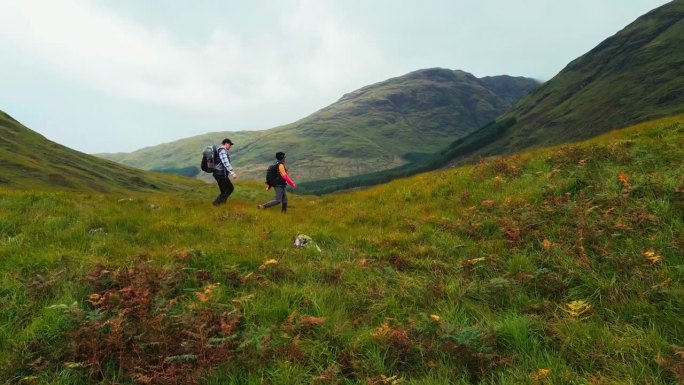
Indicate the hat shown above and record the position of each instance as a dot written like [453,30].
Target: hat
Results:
[226,140]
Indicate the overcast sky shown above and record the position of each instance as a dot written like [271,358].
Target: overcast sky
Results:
[119,75]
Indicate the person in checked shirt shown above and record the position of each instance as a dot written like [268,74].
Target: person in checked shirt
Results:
[222,170]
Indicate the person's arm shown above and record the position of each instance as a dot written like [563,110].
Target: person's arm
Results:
[226,163]
[289,181]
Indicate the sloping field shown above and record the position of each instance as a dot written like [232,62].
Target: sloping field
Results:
[559,266]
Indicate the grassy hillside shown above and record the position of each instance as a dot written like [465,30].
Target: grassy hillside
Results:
[559,266]
[635,75]
[459,147]
[377,127]
[30,161]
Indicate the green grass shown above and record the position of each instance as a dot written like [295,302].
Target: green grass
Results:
[458,276]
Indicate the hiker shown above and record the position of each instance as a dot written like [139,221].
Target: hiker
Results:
[221,172]
[276,177]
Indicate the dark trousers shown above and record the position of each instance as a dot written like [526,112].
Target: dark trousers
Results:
[280,197]
[226,187]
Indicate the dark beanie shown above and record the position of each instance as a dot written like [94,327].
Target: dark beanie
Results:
[280,155]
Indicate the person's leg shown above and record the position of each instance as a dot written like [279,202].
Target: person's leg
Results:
[229,188]
[219,180]
[278,197]
[284,200]
[225,186]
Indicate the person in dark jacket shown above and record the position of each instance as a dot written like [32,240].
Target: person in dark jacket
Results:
[222,170]
[279,183]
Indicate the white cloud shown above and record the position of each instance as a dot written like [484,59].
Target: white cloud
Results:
[109,52]
[123,74]
[335,50]
[309,51]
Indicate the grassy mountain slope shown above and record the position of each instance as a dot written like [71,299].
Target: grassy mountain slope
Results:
[374,128]
[636,75]
[558,266]
[28,161]
[633,76]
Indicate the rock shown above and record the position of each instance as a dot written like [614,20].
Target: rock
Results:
[303,240]
[96,231]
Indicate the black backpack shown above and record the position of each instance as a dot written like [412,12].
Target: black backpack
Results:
[273,177]
[210,159]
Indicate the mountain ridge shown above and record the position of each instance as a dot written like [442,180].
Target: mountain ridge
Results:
[609,87]
[635,75]
[375,127]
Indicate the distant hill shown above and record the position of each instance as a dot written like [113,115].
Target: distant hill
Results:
[30,161]
[377,127]
[636,75]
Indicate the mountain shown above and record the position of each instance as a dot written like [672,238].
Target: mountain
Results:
[634,76]
[377,127]
[28,160]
